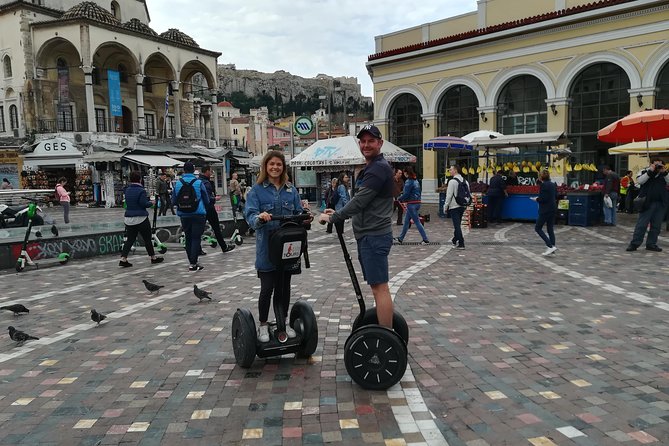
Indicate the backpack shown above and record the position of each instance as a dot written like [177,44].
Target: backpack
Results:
[463,197]
[187,200]
[334,197]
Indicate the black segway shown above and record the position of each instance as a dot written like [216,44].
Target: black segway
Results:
[375,356]
[286,247]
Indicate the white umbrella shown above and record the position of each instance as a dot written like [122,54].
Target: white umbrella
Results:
[344,151]
[641,147]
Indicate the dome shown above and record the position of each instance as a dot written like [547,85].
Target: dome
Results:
[137,26]
[179,37]
[91,11]
[225,104]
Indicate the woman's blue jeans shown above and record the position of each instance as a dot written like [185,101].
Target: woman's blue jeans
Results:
[412,214]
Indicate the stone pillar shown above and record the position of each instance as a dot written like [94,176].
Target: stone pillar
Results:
[141,120]
[177,108]
[214,118]
[90,101]
[430,168]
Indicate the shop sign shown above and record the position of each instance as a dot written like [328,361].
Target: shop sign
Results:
[54,147]
[9,157]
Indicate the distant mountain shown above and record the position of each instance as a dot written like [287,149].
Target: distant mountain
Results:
[284,93]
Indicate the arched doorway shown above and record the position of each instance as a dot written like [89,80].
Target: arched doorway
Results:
[662,86]
[127,124]
[405,128]
[458,115]
[599,97]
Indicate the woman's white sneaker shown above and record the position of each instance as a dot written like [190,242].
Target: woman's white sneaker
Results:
[289,331]
[549,251]
[263,333]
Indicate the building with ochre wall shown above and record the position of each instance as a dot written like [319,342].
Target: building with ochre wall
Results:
[521,68]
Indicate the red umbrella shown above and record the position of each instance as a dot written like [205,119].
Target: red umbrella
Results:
[640,126]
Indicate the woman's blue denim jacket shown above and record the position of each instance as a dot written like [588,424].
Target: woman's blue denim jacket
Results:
[266,198]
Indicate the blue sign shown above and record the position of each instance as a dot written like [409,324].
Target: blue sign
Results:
[115,102]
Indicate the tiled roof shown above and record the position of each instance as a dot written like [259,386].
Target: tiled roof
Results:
[497,28]
[92,11]
[225,104]
[137,26]
[179,37]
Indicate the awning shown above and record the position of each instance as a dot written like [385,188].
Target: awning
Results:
[154,160]
[103,156]
[46,162]
[641,147]
[186,157]
[525,139]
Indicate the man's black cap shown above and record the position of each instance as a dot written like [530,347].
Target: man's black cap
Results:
[372,130]
[189,167]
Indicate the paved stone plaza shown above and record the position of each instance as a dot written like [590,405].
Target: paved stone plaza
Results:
[506,348]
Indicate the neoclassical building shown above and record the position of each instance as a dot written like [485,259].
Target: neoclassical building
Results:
[521,68]
[60,58]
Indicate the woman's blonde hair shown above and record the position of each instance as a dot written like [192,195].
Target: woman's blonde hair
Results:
[262,177]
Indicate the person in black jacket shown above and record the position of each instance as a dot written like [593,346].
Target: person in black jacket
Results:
[547,200]
[212,215]
[496,194]
[653,181]
[162,190]
[136,220]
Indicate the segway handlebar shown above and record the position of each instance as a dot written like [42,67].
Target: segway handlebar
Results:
[298,218]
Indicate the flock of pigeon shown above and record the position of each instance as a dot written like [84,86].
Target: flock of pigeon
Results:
[20,337]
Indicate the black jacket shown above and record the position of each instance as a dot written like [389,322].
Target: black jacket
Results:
[211,189]
[497,186]
[547,198]
[655,188]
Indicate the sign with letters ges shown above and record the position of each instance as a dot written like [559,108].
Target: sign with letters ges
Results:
[55,147]
[304,125]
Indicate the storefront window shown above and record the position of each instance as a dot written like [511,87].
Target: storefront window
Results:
[521,107]
[662,98]
[406,127]
[13,117]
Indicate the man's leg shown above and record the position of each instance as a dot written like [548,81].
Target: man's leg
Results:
[384,304]
[656,219]
[641,225]
[456,215]
[197,230]
[187,226]
[614,201]
[215,223]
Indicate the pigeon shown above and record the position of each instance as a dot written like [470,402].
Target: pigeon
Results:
[97,317]
[19,336]
[54,230]
[152,286]
[200,293]
[16,309]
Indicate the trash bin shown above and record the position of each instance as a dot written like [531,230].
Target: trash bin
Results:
[442,202]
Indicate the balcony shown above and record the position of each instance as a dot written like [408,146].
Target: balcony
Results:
[59,125]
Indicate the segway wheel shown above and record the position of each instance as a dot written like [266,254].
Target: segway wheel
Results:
[239,240]
[303,320]
[369,318]
[244,337]
[162,248]
[375,357]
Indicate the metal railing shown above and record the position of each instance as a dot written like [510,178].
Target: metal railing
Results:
[62,125]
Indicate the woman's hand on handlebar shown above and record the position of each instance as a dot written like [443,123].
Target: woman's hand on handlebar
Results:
[264,216]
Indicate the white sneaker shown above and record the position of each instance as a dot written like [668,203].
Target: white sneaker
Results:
[289,331]
[263,333]
[549,251]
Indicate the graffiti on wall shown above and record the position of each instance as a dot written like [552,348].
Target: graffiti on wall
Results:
[78,247]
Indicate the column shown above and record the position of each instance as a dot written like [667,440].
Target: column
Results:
[90,102]
[430,168]
[177,108]
[141,120]
[214,117]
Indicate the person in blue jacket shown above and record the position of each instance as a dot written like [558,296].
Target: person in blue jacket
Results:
[547,200]
[411,197]
[342,191]
[271,195]
[192,223]
[136,219]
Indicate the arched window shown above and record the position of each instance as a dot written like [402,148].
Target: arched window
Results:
[7,65]
[406,127]
[148,84]
[13,117]
[123,73]
[662,98]
[115,10]
[521,107]
[458,115]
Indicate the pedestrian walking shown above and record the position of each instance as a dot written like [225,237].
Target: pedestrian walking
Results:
[451,207]
[496,195]
[331,198]
[191,199]
[399,188]
[235,191]
[547,200]
[411,198]
[63,198]
[136,220]
[371,210]
[611,189]
[653,181]
[271,195]
[212,215]
[343,184]
[162,190]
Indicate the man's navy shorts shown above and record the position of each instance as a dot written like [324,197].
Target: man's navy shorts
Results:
[373,253]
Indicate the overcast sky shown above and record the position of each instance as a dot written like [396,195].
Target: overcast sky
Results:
[302,37]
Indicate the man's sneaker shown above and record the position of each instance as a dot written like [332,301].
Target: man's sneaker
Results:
[263,333]
[653,248]
[124,264]
[228,247]
[549,251]
[424,242]
[195,268]
[454,241]
[202,253]
[460,247]
[631,248]
[289,331]
[157,260]
[398,240]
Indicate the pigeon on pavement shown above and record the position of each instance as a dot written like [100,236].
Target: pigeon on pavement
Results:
[19,336]
[201,294]
[97,317]
[16,309]
[152,286]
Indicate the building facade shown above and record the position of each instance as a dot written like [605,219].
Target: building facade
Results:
[521,68]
